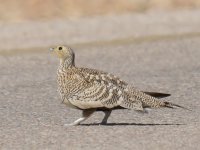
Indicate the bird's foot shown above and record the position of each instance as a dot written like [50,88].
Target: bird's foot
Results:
[103,123]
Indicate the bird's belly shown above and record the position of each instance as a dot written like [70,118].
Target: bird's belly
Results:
[68,104]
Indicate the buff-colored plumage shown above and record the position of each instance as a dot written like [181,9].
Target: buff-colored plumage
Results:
[91,90]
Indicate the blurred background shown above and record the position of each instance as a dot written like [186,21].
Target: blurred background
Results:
[35,24]
[21,10]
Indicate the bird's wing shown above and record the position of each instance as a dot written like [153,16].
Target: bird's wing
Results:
[99,76]
[96,74]
[100,90]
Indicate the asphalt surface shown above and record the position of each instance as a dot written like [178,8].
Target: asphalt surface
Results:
[32,116]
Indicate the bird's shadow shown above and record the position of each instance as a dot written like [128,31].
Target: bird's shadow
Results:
[133,124]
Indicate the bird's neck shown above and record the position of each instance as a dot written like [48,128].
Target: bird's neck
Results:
[67,63]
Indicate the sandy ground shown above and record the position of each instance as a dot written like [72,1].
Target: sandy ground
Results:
[32,115]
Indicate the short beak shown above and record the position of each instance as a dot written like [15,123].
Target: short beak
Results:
[51,49]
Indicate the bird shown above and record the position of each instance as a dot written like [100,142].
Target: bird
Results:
[91,90]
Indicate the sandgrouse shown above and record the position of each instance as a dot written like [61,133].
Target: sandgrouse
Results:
[92,90]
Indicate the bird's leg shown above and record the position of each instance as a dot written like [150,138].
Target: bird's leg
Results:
[85,114]
[107,115]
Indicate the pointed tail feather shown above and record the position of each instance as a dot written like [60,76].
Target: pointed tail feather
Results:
[172,105]
[157,95]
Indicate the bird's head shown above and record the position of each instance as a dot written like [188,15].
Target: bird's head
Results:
[65,54]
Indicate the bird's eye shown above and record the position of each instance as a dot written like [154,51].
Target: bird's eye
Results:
[60,48]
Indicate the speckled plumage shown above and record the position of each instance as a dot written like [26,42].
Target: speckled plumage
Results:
[91,90]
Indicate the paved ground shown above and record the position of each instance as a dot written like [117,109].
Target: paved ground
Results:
[32,115]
